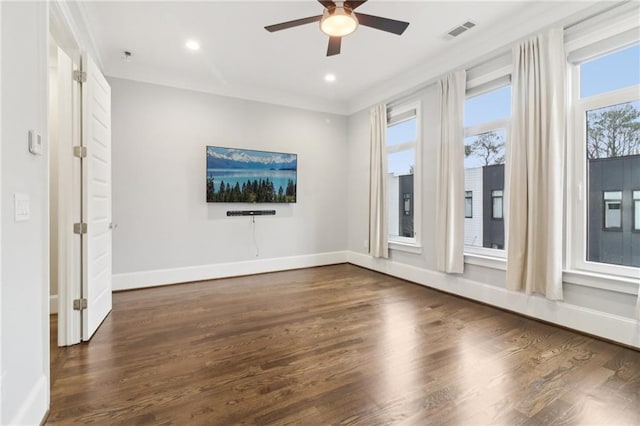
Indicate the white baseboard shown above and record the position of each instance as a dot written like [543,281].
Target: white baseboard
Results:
[612,327]
[134,280]
[35,405]
[53,304]
[616,328]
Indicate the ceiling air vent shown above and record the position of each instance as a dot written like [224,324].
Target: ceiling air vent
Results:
[455,32]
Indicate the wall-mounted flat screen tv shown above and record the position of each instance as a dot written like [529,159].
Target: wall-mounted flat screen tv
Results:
[248,176]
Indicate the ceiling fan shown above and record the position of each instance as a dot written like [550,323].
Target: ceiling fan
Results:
[339,20]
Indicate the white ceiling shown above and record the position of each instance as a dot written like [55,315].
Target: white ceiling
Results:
[240,58]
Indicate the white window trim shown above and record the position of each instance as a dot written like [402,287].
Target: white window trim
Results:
[576,231]
[490,126]
[404,146]
[493,262]
[582,38]
[485,252]
[411,245]
[602,281]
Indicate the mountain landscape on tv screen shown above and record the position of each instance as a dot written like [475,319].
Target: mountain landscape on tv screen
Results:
[247,176]
[225,158]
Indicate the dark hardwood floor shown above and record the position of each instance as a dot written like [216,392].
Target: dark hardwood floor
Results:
[334,345]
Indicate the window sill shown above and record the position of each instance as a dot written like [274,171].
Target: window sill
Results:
[406,247]
[486,261]
[587,279]
[602,281]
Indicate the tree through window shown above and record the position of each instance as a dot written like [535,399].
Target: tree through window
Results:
[486,121]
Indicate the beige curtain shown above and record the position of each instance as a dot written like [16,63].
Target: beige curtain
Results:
[450,175]
[638,306]
[378,235]
[536,161]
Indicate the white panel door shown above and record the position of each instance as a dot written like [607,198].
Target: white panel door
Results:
[96,198]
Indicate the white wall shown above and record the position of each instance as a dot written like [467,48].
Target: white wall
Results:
[601,312]
[2,370]
[163,222]
[25,323]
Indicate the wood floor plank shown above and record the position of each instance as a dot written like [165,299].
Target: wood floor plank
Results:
[334,345]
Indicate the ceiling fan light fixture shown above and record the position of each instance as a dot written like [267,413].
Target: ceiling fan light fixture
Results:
[192,45]
[338,22]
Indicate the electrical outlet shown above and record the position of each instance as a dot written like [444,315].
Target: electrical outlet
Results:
[35,143]
[21,207]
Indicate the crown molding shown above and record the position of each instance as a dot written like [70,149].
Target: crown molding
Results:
[72,14]
[536,17]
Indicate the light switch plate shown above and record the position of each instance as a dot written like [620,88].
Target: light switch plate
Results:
[22,207]
[35,143]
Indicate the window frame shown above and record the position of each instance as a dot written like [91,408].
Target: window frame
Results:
[412,245]
[605,203]
[468,195]
[478,129]
[493,198]
[577,179]
[635,208]
[407,199]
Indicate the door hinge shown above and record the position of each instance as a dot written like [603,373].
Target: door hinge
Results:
[80,76]
[79,228]
[80,151]
[79,304]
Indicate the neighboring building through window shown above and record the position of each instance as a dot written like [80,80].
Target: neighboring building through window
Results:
[607,159]
[496,205]
[402,153]
[468,204]
[486,120]
[636,210]
[613,210]
[407,203]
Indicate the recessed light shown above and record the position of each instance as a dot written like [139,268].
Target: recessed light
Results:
[330,78]
[192,45]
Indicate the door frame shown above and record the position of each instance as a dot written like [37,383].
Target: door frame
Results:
[61,29]
[1,391]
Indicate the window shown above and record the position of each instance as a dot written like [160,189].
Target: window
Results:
[468,204]
[625,62]
[613,210]
[636,211]
[407,203]
[496,205]
[402,178]
[486,122]
[606,163]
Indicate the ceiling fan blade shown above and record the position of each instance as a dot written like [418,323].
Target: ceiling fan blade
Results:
[327,4]
[291,24]
[383,24]
[334,46]
[354,4]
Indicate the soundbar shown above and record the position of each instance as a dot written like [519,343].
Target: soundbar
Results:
[251,212]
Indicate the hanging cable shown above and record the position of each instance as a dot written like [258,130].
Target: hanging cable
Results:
[253,231]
